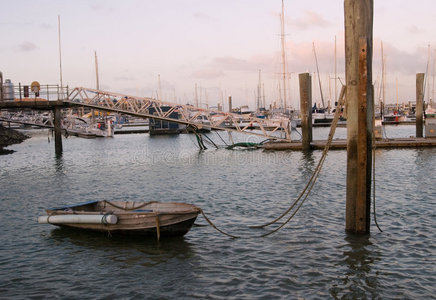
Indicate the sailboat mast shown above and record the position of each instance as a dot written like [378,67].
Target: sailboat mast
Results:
[426,84]
[396,85]
[330,92]
[319,78]
[259,92]
[206,98]
[60,52]
[263,95]
[383,79]
[283,53]
[336,76]
[96,70]
[159,88]
[201,96]
[434,71]
[196,96]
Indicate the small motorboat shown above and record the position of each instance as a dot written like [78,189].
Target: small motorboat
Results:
[127,217]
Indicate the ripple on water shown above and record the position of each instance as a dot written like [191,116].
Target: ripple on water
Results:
[311,257]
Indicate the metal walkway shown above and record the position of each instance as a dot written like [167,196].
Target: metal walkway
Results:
[187,114]
[36,112]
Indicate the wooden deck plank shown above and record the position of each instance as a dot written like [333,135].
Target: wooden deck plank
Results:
[342,144]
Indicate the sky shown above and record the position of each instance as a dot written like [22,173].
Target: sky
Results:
[220,46]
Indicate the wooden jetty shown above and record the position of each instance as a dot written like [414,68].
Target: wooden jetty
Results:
[37,103]
[341,144]
[132,130]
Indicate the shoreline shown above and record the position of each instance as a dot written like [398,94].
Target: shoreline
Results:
[10,137]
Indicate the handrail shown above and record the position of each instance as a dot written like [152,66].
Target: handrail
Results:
[49,92]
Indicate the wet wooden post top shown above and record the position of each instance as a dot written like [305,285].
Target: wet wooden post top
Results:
[305,81]
[419,104]
[230,104]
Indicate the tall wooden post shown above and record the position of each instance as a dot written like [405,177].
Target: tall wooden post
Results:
[230,104]
[419,103]
[306,109]
[1,86]
[360,109]
[58,130]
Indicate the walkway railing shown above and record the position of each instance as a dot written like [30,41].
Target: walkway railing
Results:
[199,118]
[186,114]
[50,92]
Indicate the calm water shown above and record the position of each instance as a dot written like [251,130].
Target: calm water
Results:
[311,258]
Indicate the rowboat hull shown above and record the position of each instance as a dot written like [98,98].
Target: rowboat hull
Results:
[143,218]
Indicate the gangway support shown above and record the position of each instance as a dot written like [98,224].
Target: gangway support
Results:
[58,130]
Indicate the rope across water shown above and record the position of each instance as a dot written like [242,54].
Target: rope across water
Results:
[308,188]
[305,192]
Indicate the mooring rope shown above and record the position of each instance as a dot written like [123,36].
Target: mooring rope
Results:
[124,208]
[296,210]
[373,189]
[307,189]
[216,131]
[384,131]
[314,177]
[200,141]
[212,142]
[216,228]
[373,176]
[197,135]
[282,225]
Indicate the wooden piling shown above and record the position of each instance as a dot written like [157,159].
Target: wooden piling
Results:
[1,86]
[360,109]
[58,130]
[419,104]
[305,81]
[230,104]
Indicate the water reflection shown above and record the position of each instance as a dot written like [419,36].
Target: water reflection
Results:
[123,248]
[311,257]
[307,163]
[359,280]
[59,164]
[422,158]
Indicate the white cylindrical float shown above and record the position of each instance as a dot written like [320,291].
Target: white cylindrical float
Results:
[78,219]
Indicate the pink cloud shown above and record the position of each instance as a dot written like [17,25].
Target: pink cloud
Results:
[398,60]
[27,47]
[101,8]
[250,64]
[413,29]
[309,19]
[45,26]
[207,74]
[201,16]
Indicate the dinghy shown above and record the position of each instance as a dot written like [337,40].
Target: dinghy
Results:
[147,218]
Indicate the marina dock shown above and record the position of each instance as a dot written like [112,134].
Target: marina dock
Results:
[341,144]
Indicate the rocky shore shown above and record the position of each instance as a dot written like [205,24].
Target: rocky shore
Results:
[9,137]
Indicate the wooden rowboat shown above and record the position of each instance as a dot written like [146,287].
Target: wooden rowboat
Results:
[147,218]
